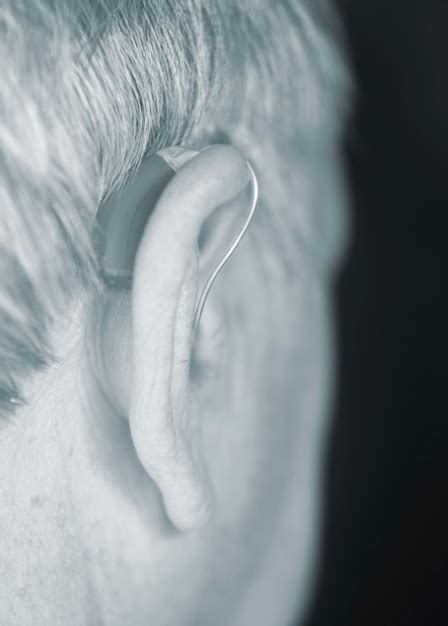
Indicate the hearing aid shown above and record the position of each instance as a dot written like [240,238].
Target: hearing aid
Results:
[122,218]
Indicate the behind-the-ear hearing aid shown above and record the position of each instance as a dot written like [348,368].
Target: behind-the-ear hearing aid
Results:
[122,218]
[121,221]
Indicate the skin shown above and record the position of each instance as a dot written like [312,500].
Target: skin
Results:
[150,480]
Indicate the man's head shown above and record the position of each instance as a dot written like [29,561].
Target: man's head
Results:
[127,435]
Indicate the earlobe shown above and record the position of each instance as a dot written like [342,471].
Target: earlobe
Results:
[164,422]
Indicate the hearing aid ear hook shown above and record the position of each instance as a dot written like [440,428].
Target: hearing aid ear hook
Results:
[119,231]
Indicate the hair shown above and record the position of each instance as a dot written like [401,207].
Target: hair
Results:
[88,87]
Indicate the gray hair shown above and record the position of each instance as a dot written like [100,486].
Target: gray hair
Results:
[88,87]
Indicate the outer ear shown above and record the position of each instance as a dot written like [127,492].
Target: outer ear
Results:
[163,420]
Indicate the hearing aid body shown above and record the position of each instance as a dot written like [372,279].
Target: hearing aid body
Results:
[121,221]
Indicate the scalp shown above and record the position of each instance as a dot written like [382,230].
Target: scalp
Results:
[89,87]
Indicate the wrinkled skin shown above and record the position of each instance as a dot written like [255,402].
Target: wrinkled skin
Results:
[84,535]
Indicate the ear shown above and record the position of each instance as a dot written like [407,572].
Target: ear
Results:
[165,289]
[164,422]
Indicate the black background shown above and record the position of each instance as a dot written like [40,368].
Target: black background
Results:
[385,544]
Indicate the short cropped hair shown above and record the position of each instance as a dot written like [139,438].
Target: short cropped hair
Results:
[89,87]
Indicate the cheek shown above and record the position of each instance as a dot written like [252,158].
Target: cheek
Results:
[264,425]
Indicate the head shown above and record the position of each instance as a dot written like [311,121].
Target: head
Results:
[146,475]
